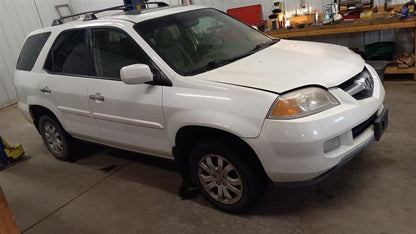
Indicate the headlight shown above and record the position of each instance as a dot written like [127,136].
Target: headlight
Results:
[302,102]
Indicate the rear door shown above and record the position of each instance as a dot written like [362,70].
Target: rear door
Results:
[27,81]
[64,85]
[128,116]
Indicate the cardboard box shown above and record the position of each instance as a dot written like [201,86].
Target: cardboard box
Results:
[270,23]
[302,19]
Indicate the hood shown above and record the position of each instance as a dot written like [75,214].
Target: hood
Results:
[288,65]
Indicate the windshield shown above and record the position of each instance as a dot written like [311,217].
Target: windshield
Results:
[197,41]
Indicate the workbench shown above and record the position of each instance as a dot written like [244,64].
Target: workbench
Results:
[354,26]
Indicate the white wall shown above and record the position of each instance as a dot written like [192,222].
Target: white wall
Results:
[20,17]
[17,19]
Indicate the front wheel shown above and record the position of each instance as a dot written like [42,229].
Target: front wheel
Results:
[226,177]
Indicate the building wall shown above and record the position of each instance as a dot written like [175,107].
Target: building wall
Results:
[19,17]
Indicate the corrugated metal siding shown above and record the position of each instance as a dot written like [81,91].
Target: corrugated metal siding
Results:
[19,17]
[47,11]
[86,5]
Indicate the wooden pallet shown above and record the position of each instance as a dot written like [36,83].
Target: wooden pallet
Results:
[396,70]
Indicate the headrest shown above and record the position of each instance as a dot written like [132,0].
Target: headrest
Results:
[164,38]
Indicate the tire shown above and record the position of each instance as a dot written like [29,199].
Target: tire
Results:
[241,184]
[56,139]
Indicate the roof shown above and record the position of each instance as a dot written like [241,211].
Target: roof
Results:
[123,17]
[155,13]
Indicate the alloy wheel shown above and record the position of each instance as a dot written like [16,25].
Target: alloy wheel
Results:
[53,137]
[220,179]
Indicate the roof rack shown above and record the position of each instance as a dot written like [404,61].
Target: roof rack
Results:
[90,15]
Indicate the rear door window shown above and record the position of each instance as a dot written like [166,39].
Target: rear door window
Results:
[31,50]
[70,54]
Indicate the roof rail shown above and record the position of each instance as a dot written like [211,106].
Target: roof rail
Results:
[90,15]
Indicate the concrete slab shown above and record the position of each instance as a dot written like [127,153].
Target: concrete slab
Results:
[39,184]
[374,193]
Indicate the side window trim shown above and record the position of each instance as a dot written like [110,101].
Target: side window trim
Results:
[88,34]
[159,74]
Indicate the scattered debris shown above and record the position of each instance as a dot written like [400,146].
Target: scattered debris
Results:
[108,169]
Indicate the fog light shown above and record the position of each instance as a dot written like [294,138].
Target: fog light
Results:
[331,144]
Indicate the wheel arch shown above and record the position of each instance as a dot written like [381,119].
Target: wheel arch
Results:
[187,137]
[36,111]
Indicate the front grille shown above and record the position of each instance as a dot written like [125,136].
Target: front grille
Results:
[359,129]
[360,86]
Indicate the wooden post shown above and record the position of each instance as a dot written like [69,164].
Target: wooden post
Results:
[7,222]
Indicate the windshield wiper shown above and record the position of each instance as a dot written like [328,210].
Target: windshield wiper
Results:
[217,62]
[265,45]
[220,62]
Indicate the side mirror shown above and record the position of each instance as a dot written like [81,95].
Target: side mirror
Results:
[136,74]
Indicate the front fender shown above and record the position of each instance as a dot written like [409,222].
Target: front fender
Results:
[237,110]
[224,121]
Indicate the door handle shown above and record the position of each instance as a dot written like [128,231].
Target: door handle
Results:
[97,97]
[45,90]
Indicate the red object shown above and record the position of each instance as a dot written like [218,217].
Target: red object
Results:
[352,15]
[261,25]
[250,15]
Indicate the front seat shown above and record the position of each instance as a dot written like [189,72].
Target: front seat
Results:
[171,50]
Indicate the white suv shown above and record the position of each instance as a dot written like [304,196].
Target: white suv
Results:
[231,105]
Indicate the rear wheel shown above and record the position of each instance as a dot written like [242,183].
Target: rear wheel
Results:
[58,142]
[226,177]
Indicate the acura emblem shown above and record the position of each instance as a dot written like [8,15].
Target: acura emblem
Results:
[365,83]
[362,83]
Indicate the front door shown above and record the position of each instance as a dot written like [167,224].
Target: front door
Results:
[128,116]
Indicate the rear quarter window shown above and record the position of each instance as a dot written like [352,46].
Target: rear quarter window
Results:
[31,50]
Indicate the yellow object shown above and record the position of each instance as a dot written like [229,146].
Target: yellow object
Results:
[280,16]
[14,152]
[366,14]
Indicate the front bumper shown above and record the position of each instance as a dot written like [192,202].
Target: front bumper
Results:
[324,175]
[294,151]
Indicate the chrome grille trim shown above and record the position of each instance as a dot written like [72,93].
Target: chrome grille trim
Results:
[360,86]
